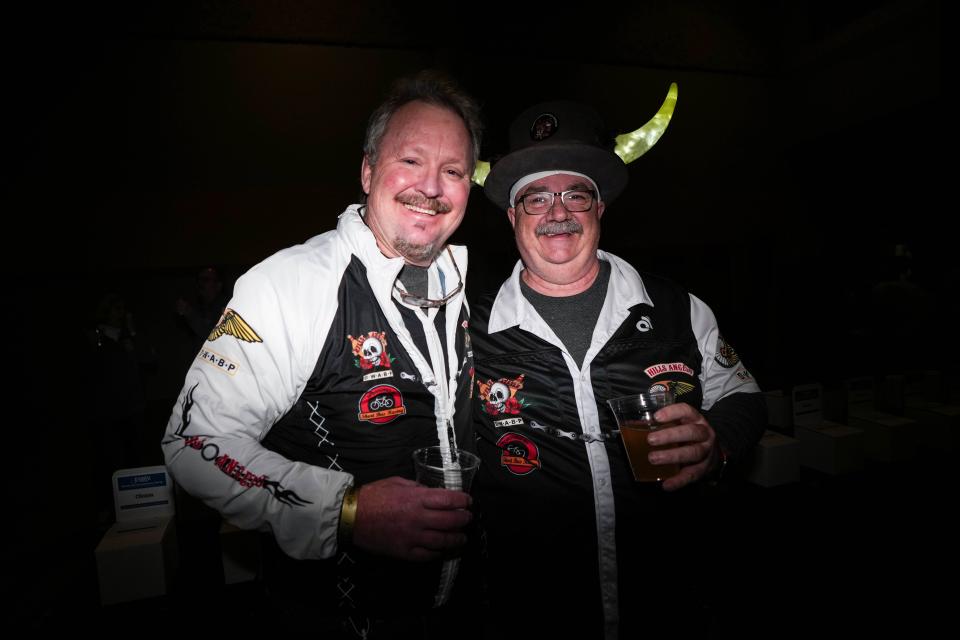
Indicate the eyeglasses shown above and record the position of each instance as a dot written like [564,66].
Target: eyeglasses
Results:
[574,201]
[417,301]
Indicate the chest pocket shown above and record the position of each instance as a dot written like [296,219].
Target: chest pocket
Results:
[632,364]
[533,385]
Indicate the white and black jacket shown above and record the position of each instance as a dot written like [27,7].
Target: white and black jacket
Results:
[317,377]
[561,511]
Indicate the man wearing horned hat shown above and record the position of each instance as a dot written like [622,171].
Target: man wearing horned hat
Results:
[574,543]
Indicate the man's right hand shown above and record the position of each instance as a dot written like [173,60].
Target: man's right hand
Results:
[402,519]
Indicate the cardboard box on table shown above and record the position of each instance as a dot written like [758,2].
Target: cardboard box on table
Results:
[779,410]
[776,460]
[776,457]
[828,447]
[137,557]
[939,424]
[918,395]
[896,390]
[887,437]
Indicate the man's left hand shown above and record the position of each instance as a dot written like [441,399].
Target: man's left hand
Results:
[693,441]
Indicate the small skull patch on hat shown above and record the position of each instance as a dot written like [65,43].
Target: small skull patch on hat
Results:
[544,126]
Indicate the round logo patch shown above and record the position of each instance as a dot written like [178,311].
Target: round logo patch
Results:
[518,453]
[544,126]
[726,356]
[381,404]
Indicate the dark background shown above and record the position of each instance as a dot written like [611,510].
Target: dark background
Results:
[801,170]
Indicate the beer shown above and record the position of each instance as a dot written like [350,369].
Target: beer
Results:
[634,414]
[634,435]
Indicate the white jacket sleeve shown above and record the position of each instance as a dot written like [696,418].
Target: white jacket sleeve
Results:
[722,371]
[250,372]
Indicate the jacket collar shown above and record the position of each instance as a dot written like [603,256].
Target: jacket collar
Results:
[382,271]
[511,309]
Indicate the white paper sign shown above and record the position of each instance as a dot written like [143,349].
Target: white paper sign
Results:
[142,493]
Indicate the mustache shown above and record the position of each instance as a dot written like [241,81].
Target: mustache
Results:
[423,202]
[554,227]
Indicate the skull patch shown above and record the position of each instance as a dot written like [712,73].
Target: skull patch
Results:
[501,396]
[370,350]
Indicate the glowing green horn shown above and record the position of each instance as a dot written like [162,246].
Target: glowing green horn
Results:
[631,146]
[480,172]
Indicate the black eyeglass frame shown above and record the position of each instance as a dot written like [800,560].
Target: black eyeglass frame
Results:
[553,200]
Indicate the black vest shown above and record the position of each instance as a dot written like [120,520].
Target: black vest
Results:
[534,485]
[366,402]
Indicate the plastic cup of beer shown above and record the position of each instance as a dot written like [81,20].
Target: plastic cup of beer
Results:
[634,414]
[455,472]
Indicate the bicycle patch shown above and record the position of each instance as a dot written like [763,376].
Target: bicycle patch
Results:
[381,404]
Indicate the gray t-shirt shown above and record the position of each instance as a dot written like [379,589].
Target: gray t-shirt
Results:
[414,280]
[572,318]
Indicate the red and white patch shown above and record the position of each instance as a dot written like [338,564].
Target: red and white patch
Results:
[668,367]
[381,404]
[518,453]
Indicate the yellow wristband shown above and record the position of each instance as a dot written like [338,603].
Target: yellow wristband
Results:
[348,515]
